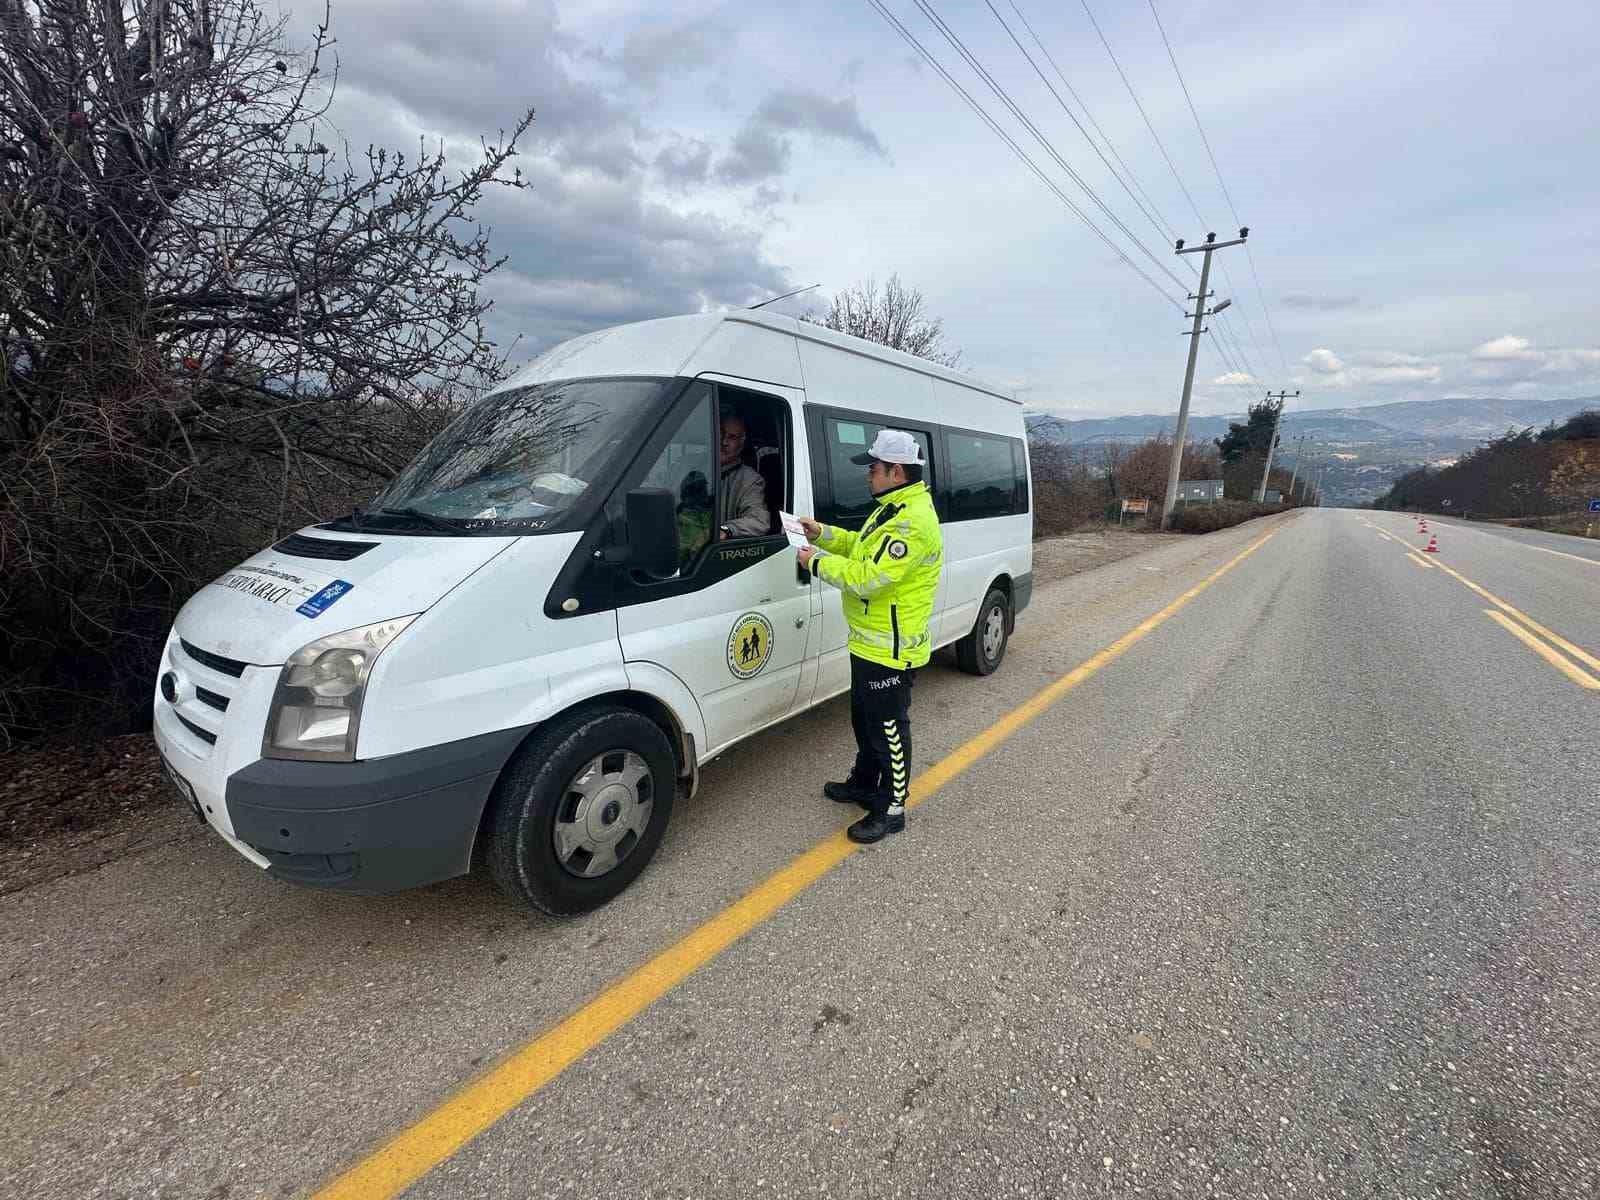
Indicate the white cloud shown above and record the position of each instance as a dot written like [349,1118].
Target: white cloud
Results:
[1324,362]
[1399,374]
[1234,377]
[1507,348]
[1570,362]
[1381,367]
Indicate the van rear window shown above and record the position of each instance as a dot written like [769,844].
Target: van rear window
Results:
[985,477]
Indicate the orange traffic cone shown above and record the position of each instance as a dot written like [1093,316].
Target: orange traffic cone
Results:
[1433,545]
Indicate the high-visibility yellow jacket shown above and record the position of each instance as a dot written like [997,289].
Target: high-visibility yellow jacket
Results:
[889,574]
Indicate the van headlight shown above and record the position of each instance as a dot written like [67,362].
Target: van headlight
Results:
[316,709]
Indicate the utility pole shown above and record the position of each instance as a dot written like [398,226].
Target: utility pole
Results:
[1294,474]
[1277,419]
[1175,466]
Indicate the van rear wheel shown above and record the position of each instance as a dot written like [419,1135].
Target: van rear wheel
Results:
[982,650]
[580,810]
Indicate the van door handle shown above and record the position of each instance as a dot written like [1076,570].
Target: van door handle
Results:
[765,600]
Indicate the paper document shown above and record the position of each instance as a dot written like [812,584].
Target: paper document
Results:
[792,529]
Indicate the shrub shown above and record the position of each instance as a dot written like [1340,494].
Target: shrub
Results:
[1221,514]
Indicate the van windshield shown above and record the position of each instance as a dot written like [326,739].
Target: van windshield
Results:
[517,460]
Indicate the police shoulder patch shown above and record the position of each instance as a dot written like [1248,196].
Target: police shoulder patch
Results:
[897,549]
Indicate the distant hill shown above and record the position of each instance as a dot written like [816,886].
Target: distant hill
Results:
[1463,418]
[1377,444]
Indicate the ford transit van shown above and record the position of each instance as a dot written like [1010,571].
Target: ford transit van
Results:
[530,643]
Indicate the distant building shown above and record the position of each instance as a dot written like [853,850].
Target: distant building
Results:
[1199,491]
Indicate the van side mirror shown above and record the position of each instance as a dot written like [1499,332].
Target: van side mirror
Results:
[652,531]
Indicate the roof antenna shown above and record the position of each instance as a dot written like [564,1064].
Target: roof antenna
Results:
[785,296]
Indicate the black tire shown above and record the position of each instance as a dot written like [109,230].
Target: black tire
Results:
[983,650]
[539,789]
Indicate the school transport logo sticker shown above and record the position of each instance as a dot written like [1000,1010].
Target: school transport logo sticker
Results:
[749,645]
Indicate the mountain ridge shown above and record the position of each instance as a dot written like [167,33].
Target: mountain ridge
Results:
[1364,449]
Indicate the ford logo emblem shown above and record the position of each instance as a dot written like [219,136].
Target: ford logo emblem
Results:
[169,687]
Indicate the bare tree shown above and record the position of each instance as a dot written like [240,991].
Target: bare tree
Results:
[894,316]
[214,319]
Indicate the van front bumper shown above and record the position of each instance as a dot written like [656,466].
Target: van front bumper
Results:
[370,827]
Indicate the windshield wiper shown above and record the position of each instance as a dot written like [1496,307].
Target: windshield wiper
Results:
[427,518]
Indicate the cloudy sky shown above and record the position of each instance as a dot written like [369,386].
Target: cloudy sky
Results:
[1420,179]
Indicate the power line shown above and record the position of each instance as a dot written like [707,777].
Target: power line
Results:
[1250,258]
[1004,97]
[1238,347]
[1148,124]
[1166,226]
[1227,361]
[1167,158]
[977,108]
[1043,78]
[1232,354]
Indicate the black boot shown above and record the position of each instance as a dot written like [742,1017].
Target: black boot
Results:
[850,792]
[876,826]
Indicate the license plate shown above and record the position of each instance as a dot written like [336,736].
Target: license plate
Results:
[185,789]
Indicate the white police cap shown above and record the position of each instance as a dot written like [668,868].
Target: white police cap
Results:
[891,446]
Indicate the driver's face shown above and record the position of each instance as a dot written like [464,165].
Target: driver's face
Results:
[732,440]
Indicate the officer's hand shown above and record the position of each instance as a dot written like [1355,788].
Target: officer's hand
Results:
[805,555]
[812,526]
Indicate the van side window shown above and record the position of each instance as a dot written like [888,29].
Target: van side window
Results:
[845,437]
[685,467]
[983,477]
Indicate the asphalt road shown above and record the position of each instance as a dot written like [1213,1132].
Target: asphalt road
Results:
[1296,895]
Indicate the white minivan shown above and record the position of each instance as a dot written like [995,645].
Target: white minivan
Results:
[538,633]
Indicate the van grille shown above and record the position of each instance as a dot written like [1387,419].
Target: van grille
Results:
[202,704]
[300,546]
[220,703]
[228,666]
[205,735]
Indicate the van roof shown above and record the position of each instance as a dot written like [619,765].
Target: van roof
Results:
[664,345]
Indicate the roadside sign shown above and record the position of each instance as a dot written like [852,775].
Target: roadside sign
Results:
[1136,506]
[1594,505]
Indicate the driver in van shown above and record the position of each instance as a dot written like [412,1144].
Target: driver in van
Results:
[740,488]
[889,574]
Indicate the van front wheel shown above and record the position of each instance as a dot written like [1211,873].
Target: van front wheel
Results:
[981,651]
[580,810]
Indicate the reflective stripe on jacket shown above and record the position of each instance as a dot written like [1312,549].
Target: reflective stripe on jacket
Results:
[889,574]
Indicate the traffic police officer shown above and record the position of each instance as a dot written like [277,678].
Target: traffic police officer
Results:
[889,574]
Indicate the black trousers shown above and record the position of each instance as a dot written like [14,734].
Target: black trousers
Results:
[880,713]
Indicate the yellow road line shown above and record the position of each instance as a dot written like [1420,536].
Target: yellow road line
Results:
[1418,559]
[1577,652]
[1581,678]
[1384,535]
[415,1151]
